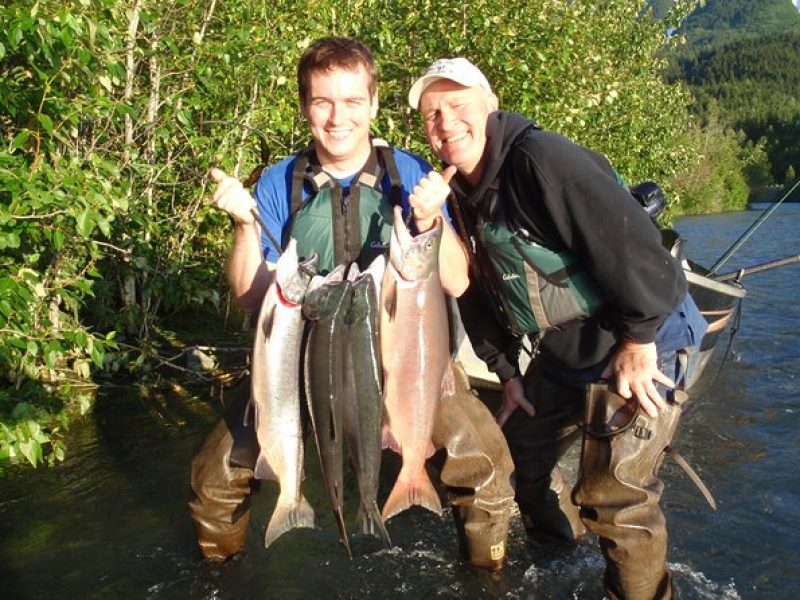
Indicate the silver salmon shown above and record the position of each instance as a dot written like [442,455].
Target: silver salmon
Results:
[415,350]
[326,306]
[275,391]
[364,398]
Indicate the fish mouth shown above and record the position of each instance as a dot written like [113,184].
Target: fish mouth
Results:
[414,257]
[293,275]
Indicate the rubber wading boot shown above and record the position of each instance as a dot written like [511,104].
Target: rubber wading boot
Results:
[477,472]
[482,536]
[222,481]
[619,491]
[220,509]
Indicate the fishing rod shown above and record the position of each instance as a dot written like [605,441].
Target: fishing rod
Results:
[254,175]
[737,275]
[750,230]
[272,239]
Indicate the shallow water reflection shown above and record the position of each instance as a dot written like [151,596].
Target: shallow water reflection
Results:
[112,521]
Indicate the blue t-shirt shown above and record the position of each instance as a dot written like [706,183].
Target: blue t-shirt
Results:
[273,193]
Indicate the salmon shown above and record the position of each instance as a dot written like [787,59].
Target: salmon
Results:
[415,345]
[326,306]
[364,398]
[275,391]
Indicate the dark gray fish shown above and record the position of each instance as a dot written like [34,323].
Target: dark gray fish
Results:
[326,306]
[364,400]
[275,391]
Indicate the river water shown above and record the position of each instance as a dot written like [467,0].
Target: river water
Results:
[112,520]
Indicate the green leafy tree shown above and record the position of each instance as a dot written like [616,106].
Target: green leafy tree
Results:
[112,112]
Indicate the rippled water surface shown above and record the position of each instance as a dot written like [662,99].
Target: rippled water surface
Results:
[112,520]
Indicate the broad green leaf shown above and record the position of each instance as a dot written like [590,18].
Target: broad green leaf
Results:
[22,137]
[46,122]
[85,222]
[31,450]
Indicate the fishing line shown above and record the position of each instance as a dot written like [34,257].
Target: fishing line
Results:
[750,230]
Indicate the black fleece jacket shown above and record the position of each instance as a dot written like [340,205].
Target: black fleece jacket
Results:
[567,197]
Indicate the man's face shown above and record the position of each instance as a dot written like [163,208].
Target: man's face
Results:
[339,111]
[455,123]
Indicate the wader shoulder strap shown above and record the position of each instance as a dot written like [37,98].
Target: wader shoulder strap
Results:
[386,160]
[345,208]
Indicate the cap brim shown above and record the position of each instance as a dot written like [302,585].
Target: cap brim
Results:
[415,93]
[419,86]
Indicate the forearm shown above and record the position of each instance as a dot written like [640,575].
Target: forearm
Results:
[248,273]
[453,269]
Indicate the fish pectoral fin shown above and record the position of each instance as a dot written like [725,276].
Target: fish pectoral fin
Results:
[390,298]
[268,321]
[448,382]
[388,440]
[263,470]
[430,451]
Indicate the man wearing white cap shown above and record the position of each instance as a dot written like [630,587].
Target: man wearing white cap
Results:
[562,253]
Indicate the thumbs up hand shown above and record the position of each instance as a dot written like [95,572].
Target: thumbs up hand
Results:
[232,197]
[429,196]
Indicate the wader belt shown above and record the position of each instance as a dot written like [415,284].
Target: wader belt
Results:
[345,208]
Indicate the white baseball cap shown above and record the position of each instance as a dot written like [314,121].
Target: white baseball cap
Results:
[459,70]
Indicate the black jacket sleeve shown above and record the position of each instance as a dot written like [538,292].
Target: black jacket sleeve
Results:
[570,198]
[495,346]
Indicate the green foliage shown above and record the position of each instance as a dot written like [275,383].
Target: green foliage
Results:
[111,114]
[729,168]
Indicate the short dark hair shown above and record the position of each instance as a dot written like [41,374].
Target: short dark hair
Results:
[334,52]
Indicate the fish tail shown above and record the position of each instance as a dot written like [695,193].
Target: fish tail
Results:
[342,531]
[369,521]
[287,517]
[405,494]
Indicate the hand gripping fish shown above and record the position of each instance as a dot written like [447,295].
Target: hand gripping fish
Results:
[326,306]
[415,351]
[275,391]
[363,407]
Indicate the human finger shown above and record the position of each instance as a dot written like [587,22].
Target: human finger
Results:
[448,173]
[505,412]
[525,405]
[647,406]
[663,379]
[217,174]
[623,386]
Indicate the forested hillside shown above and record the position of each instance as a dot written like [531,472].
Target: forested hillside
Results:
[742,64]
[722,21]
